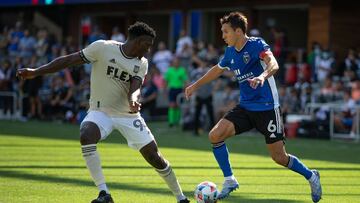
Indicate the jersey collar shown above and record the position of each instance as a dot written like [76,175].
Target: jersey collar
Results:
[247,39]
[123,53]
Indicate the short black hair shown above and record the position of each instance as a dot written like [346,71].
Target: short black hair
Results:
[236,20]
[140,28]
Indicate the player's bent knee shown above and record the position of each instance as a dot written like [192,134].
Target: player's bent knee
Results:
[215,136]
[222,130]
[89,134]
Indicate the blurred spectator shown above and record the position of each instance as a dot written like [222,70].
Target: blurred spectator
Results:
[284,101]
[339,88]
[55,51]
[162,58]
[27,46]
[291,71]
[313,59]
[157,78]
[327,92]
[42,46]
[183,41]
[96,34]
[355,91]
[349,64]
[326,66]
[149,93]
[7,78]
[117,35]
[204,96]
[293,101]
[176,78]
[358,60]
[34,86]
[185,57]
[3,42]
[304,72]
[254,32]
[61,101]
[69,46]
[279,49]
[201,50]
[212,55]
[83,95]
[229,98]
[14,37]
[345,121]
[306,96]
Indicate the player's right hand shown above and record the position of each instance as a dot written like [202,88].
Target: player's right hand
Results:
[26,73]
[189,91]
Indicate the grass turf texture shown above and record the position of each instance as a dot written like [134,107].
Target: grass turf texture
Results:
[42,162]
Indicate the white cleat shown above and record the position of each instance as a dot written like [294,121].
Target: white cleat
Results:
[228,187]
[315,185]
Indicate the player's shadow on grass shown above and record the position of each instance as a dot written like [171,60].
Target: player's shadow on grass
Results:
[73,181]
[175,138]
[121,186]
[181,167]
[233,199]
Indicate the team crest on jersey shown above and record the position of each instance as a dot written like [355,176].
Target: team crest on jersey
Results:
[136,68]
[112,61]
[246,57]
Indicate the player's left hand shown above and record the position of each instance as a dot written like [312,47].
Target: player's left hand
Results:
[135,106]
[256,81]
[26,73]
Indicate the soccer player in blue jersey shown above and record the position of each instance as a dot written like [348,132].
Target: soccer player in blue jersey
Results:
[254,65]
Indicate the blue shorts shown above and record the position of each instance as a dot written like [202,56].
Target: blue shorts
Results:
[347,122]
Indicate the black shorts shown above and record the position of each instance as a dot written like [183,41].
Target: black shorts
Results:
[173,93]
[269,123]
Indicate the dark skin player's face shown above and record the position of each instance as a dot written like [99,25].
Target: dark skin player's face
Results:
[143,45]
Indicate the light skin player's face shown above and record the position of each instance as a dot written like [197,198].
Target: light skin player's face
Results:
[230,35]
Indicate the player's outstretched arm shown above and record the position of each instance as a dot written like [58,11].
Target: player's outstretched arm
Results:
[211,75]
[54,66]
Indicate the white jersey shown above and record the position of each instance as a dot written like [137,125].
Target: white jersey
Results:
[110,76]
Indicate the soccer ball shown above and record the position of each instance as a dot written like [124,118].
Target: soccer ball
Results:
[206,192]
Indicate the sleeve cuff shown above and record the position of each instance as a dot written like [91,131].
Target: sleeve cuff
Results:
[225,67]
[83,57]
[137,77]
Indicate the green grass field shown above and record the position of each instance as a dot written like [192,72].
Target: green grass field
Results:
[42,162]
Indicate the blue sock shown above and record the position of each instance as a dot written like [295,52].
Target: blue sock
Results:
[296,165]
[221,154]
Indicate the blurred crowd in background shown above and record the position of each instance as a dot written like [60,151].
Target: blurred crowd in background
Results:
[304,77]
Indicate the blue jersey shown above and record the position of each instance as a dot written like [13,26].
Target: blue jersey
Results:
[247,63]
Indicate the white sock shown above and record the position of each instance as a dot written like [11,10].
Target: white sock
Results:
[103,186]
[169,176]
[232,177]
[93,163]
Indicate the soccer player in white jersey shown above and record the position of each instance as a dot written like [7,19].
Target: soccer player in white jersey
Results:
[118,71]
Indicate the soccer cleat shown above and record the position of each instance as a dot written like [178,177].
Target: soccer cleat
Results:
[228,187]
[103,198]
[184,201]
[315,185]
